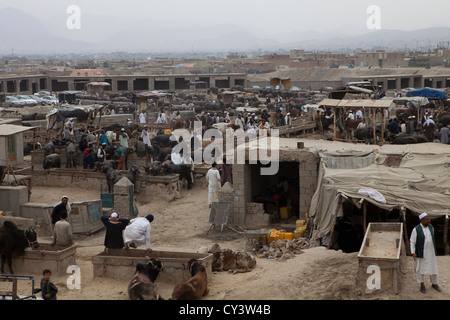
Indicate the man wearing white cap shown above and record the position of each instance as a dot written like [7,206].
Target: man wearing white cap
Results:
[63,206]
[145,135]
[423,250]
[114,230]
[123,138]
[429,127]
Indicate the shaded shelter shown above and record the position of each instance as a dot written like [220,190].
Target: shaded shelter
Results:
[370,108]
[413,182]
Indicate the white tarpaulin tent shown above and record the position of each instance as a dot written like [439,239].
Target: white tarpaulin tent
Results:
[419,182]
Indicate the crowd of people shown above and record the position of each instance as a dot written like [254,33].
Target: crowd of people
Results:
[405,125]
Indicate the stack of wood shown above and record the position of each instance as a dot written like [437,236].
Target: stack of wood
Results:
[283,249]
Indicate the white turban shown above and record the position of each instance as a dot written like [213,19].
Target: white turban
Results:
[423,215]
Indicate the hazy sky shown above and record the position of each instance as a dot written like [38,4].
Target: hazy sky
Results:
[269,16]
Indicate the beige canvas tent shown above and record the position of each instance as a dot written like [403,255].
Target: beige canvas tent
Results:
[418,182]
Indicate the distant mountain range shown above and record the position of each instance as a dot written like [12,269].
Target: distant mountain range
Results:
[25,34]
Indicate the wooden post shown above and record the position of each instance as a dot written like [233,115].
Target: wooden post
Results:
[365,216]
[405,232]
[446,235]
[334,123]
[374,126]
[34,149]
[334,222]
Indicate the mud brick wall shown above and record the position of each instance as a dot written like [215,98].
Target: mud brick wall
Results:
[308,185]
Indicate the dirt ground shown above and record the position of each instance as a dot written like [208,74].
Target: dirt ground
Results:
[182,225]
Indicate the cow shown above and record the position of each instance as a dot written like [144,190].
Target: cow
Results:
[134,172]
[444,120]
[176,124]
[350,127]
[52,161]
[142,285]
[110,150]
[409,139]
[112,177]
[153,168]
[183,170]
[98,166]
[196,287]
[71,155]
[361,133]
[49,148]
[29,147]
[13,242]
[163,140]
[161,154]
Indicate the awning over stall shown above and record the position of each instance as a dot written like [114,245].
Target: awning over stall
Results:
[418,182]
[428,93]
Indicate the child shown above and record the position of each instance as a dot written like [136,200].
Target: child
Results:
[48,289]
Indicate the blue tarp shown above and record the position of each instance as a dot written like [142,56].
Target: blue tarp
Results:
[428,93]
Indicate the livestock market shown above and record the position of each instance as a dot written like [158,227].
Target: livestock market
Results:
[276,175]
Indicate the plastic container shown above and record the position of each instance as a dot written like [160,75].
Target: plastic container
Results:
[299,223]
[273,236]
[299,232]
[288,235]
[285,212]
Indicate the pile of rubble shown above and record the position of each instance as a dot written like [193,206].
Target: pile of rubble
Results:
[282,249]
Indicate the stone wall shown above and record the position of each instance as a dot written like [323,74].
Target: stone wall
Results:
[147,187]
[38,159]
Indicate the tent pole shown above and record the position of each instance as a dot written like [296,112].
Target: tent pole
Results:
[334,122]
[446,235]
[365,216]
[405,232]
[334,222]
[374,126]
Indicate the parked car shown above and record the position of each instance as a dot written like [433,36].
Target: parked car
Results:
[50,100]
[326,89]
[27,100]
[14,102]
[38,99]
[43,93]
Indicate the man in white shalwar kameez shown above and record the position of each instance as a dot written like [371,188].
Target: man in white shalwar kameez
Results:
[145,135]
[423,250]
[137,233]
[213,178]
